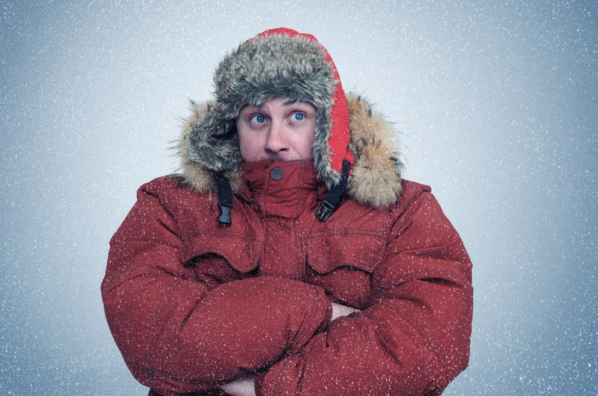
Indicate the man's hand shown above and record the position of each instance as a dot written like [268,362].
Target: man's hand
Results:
[245,386]
[339,310]
[240,387]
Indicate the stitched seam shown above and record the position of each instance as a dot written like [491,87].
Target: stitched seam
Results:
[123,240]
[418,275]
[380,235]
[216,233]
[452,241]
[226,256]
[333,265]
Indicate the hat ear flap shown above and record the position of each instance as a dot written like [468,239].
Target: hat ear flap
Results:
[213,141]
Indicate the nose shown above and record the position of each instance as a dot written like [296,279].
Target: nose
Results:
[276,143]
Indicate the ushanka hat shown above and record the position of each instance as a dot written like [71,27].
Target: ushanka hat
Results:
[278,63]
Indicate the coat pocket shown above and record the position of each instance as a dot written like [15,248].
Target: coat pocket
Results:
[363,250]
[240,251]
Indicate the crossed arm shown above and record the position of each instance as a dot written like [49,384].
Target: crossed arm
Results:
[246,387]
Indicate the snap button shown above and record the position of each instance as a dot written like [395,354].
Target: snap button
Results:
[277,173]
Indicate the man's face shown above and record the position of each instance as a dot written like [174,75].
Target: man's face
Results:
[278,129]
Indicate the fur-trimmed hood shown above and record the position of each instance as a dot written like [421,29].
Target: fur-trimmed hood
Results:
[376,174]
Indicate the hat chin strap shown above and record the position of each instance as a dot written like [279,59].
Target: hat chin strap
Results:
[328,205]
[225,198]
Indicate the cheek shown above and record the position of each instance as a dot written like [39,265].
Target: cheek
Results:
[243,141]
[241,138]
[305,148]
[244,146]
[249,146]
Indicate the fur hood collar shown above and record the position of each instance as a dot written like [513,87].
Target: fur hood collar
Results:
[375,178]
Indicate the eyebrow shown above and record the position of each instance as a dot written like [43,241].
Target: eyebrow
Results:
[287,103]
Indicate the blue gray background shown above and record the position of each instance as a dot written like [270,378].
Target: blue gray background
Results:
[497,108]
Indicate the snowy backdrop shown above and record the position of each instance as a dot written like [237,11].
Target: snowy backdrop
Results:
[497,108]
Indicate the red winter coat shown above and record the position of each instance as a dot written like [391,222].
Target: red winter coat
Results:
[194,304]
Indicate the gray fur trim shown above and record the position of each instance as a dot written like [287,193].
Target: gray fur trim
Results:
[213,141]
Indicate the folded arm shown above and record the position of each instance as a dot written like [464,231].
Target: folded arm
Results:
[246,386]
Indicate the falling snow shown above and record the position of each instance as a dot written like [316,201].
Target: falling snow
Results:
[496,104]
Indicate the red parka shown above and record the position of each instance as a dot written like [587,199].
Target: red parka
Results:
[194,304]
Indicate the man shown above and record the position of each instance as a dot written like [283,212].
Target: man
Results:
[288,257]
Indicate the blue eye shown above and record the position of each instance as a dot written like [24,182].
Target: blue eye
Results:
[259,118]
[299,116]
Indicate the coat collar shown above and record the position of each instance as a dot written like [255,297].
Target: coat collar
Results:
[281,189]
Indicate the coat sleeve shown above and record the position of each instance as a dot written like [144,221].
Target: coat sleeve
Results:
[180,333]
[413,339]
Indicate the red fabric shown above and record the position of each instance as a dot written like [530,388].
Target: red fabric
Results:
[193,304]
[340,135]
